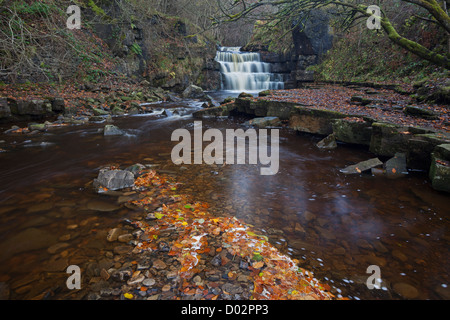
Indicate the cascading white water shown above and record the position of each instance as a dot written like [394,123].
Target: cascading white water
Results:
[244,71]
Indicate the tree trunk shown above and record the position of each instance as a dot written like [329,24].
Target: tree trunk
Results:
[413,47]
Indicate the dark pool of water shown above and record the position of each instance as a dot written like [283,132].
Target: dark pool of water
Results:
[336,225]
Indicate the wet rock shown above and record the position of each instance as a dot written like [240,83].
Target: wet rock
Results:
[219,111]
[362,166]
[442,291]
[136,168]
[406,290]
[440,168]
[136,279]
[363,244]
[193,92]
[102,206]
[159,264]
[125,237]
[264,122]
[309,216]
[339,251]
[112,130]
[148,282]
[113,234]
[122,250]
[396,166]
[27,240]
[56,247]
[397,254]
[4,291]
[114,179]
[379,247]
[327,143]
[298,228]
[312,120]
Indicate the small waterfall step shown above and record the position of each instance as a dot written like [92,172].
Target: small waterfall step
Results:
[244,71]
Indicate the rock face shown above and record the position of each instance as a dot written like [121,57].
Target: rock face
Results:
[440,168]
[114,179]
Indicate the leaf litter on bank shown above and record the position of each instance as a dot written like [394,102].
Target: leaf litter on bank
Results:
[274,275]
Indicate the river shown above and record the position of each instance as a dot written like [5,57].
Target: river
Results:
[336,225]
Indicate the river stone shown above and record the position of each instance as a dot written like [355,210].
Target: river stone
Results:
[159,264]
[328,142]
[362,166]
[122,249]
[27,240]
[406,290]
[114,179]
[149,282]
[97,205]
[440,168]
[113,234]
[40,207]
[112,130]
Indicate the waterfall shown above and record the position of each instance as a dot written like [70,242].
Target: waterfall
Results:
[244,71]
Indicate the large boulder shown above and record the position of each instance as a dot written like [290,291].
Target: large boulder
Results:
[353,130]
[440,168]
[194,92]
[114,179]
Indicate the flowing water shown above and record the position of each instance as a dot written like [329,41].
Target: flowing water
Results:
[336,225]
[244,71]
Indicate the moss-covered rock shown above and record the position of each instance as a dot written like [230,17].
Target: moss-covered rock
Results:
[440,168]
[219,111]
[353,130]
[313,120]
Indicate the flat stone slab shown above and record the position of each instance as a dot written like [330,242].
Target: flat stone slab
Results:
[264,122]
[362,166]
[396,166]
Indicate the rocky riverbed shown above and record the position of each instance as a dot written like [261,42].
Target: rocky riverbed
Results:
[176,249]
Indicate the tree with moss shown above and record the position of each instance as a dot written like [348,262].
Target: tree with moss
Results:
[349,12]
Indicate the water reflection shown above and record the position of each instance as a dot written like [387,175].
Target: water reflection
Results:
[336,225]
